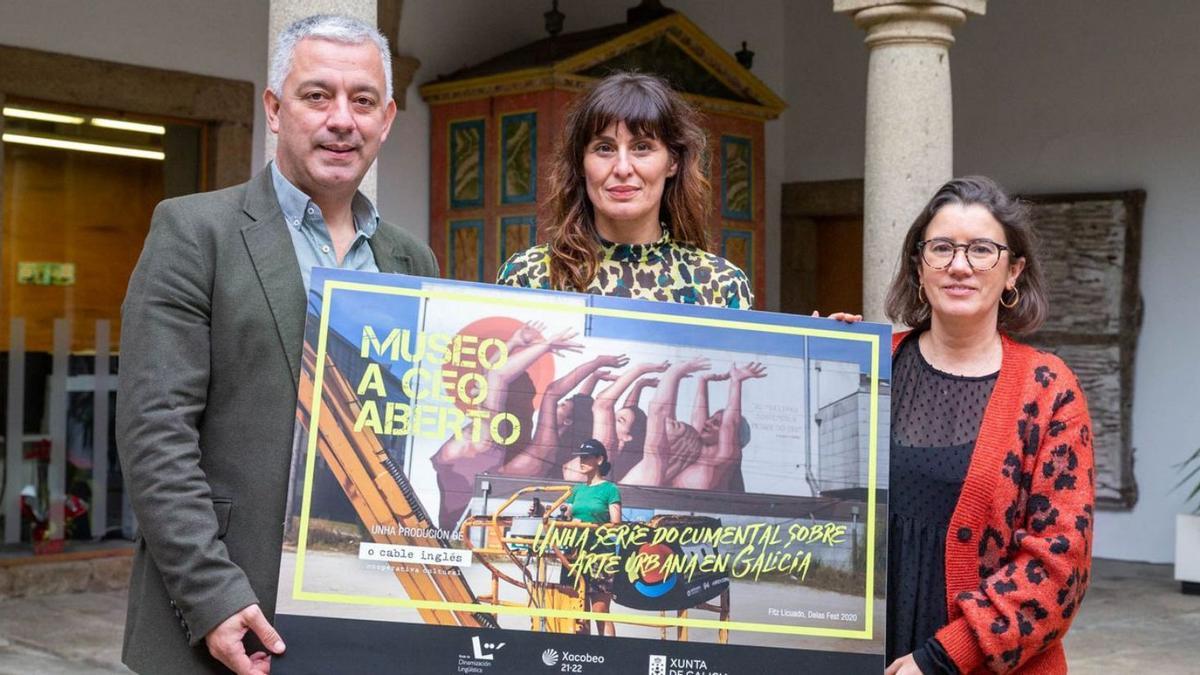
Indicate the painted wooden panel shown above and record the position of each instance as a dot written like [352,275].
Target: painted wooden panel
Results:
[737,246]
[737,178]
[518,158]
[465,256]
[466,164]
[517,233]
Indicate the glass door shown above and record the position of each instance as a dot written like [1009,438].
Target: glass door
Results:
[79,188]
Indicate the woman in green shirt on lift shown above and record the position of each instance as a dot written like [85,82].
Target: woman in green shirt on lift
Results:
[596,501]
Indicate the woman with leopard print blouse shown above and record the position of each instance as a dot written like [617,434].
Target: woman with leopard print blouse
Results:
[629,212]
[990,508]
[629,205]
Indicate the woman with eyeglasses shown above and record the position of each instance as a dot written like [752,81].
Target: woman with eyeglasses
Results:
[991,487]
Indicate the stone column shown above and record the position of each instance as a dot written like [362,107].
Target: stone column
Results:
[909,137]
[283,13]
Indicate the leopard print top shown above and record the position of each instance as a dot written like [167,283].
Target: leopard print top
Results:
[664,270]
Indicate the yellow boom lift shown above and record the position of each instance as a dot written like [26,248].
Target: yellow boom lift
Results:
[382,495]
[386,504]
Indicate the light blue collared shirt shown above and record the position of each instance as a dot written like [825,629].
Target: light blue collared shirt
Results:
[310,234]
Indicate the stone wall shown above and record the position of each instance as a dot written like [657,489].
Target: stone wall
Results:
[30,576]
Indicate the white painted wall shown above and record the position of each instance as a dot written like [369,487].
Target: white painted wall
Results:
[1111,108]
[1072,95]
[826,86]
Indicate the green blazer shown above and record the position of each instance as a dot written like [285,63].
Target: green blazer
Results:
[211,339]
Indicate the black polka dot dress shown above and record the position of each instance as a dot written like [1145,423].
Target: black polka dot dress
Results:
[935,421]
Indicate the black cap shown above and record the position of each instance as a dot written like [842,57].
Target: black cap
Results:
[591,448]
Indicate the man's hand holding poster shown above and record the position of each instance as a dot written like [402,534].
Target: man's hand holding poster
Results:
[494,480]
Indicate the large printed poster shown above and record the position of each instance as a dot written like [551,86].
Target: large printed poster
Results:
[448,514]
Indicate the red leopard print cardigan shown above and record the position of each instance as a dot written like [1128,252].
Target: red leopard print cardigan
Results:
[1019,546]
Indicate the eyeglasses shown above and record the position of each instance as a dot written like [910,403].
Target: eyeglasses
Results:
[981,254]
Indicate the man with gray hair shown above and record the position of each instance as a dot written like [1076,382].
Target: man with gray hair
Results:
[211,345]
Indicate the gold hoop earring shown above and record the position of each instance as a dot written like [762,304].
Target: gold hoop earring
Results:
[1015,300]
[921,294]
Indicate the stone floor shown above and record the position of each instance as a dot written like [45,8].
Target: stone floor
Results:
[70,633]
[1133,620]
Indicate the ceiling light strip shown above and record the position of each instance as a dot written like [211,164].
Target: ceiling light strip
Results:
[26,114]
[129,126]
[64,144]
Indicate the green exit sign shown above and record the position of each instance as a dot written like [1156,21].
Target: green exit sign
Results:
[45,274]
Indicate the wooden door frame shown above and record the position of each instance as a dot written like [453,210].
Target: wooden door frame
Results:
[225,107]
[802,204]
